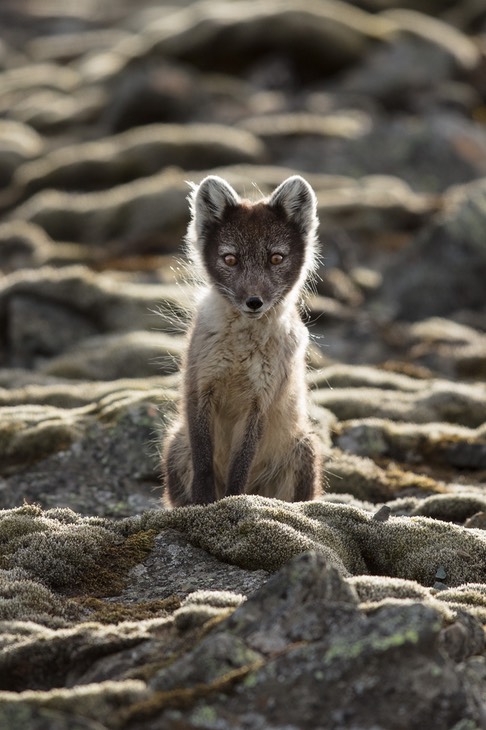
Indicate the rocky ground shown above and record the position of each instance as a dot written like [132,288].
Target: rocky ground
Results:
[365,609]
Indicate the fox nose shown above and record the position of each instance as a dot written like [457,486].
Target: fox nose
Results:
[254,303]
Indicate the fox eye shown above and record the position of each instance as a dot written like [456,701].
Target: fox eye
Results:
[230,259]
[276,258]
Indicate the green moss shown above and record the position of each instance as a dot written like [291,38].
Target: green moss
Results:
[394,627]
[469,595]
[204,715]
[218,599]
[374,481]
[106,569]
[68,553]
[451,507]
[466,725]
[192,616]
[108,612]
[255,532]
[26,600]
[375,588]
[71,707]
[251,680]
[349,651]
[29,433]
[183,698]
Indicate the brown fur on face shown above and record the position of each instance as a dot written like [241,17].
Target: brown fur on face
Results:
[243,426]
[253,233]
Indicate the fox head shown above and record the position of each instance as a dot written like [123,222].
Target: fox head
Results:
[255,254]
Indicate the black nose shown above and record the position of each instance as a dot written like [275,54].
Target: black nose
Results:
[254,303]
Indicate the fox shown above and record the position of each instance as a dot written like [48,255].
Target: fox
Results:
[243,425]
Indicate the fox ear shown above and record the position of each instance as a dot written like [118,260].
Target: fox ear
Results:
[298,201]
[210,200]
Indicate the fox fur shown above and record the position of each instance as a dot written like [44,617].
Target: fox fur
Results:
[243,425]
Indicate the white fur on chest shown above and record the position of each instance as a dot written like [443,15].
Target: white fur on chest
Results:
[248,358]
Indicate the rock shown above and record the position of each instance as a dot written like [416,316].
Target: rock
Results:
[318,38]
[56,111]
[382,514]
[50,311]
[375,202]
[477,520]
[138,153]
[441,573]
[133,212]
[28,87]
[110,357]
[66,47]
[27,246]
[18,143]
[22,245]
[444,402]
[455,245]
[340,661]
[347,474]
[83,456]
[436,443]
[283,126]
[18,82]
[147,93]
[449,508]
[448,347]
[338,285]
[39,330]
[422,53]
[464,638]
[430,153]
[401,72]
[206,577]
[460,48]
[362,376]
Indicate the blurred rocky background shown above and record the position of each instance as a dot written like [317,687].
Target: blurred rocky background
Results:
[107,110]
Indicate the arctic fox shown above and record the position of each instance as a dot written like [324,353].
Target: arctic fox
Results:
[243,425]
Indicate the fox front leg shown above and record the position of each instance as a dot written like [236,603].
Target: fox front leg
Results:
[199,411]
[242,459]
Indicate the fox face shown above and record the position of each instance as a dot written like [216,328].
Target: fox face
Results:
[255,254]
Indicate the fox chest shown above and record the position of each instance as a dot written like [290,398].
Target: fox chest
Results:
[239,370]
